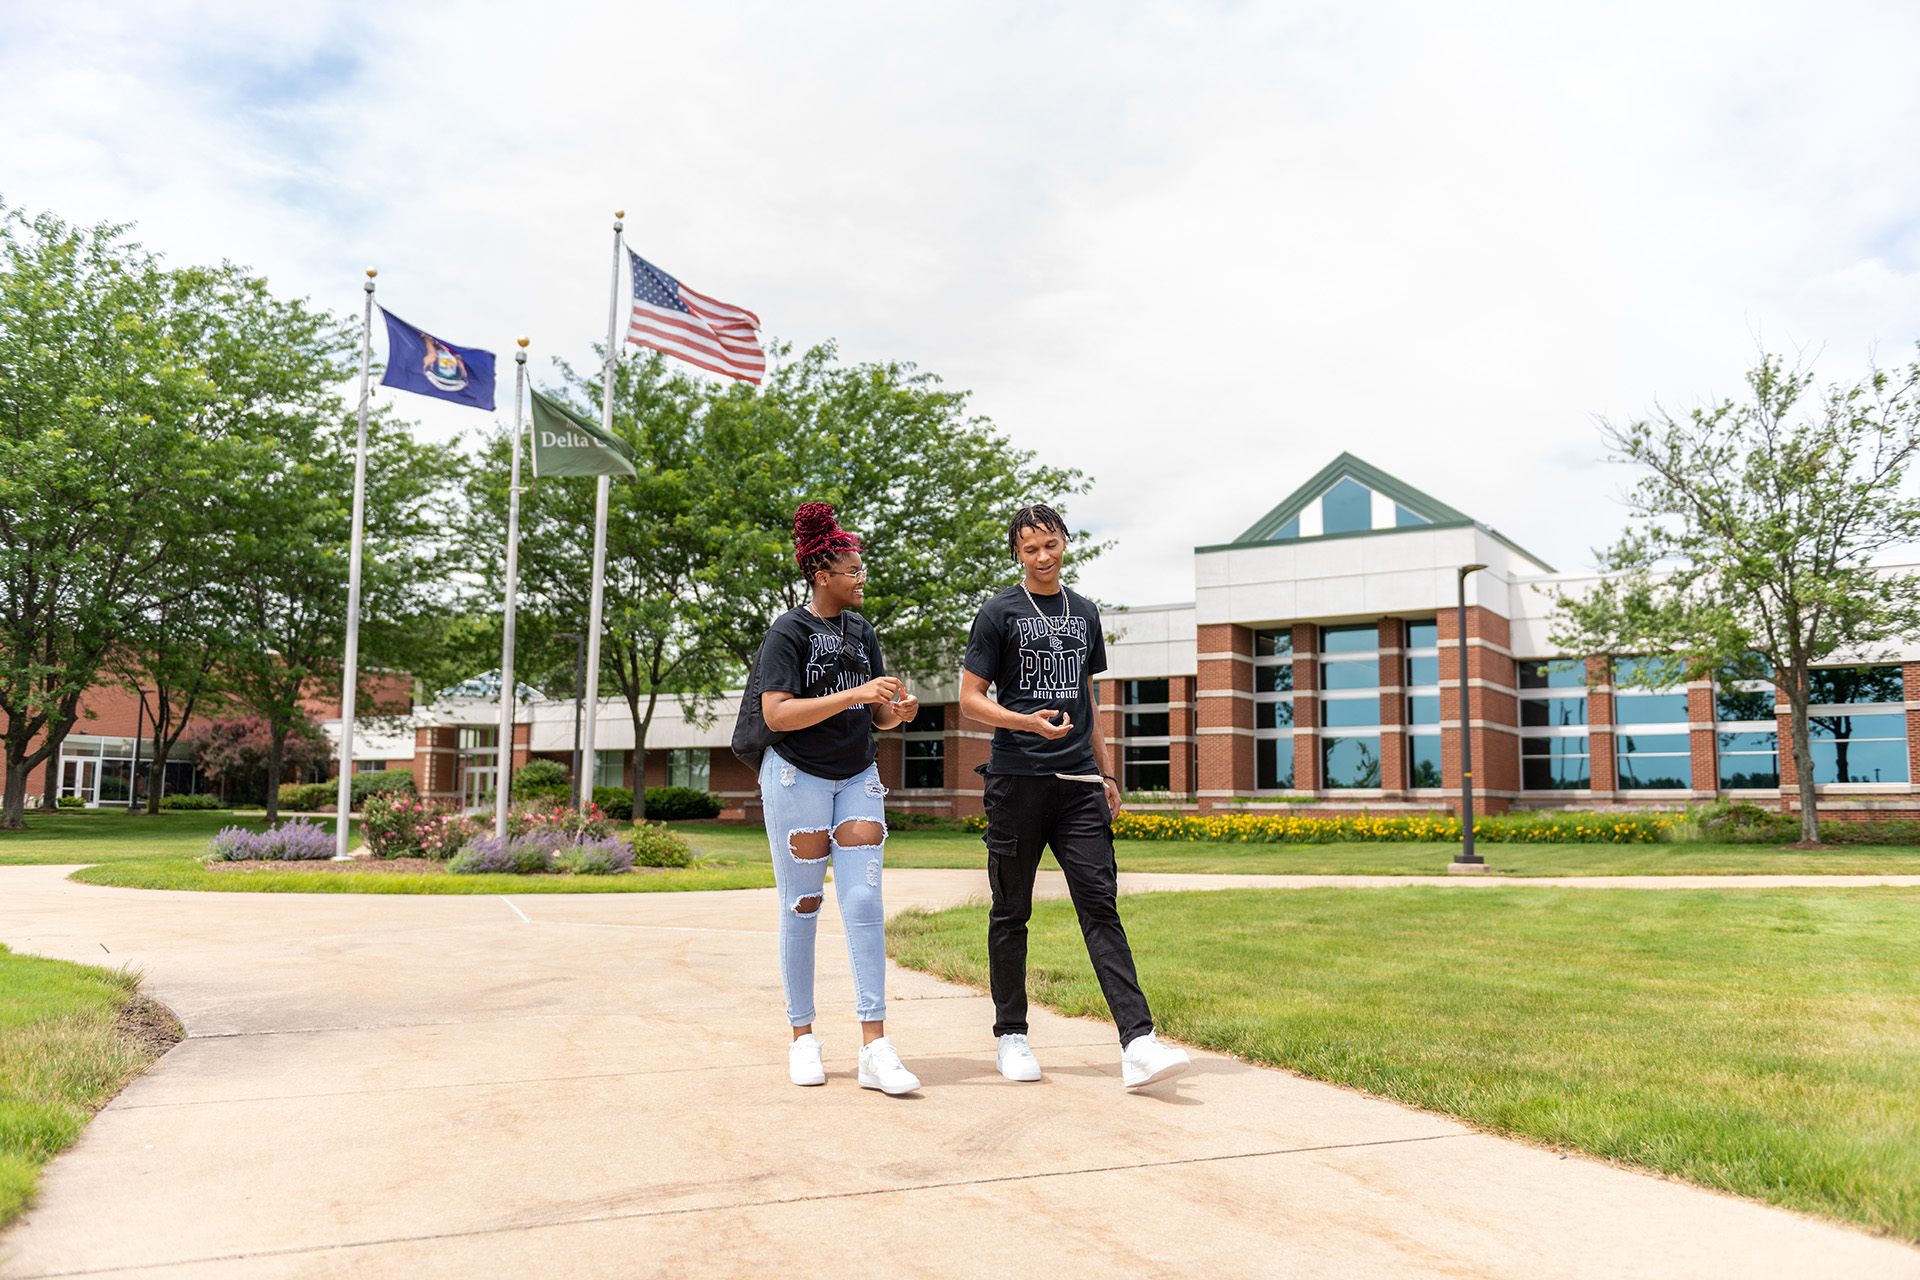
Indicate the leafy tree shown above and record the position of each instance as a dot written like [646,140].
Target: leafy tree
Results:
[236,752]
[178,651]
[285,584]
[928,485]
[700,553]
[655,641]
[112,464]
[1753,539]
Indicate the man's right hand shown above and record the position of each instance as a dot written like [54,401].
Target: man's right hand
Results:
[1037,722]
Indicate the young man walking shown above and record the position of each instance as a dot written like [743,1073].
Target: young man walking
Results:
[1051,782]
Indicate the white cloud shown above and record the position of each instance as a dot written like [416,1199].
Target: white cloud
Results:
[1193,249]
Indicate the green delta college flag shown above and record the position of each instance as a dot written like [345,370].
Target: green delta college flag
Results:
[566,444]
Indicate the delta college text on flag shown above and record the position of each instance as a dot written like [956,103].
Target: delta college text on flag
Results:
[567,444]
[716,336]
[419,362]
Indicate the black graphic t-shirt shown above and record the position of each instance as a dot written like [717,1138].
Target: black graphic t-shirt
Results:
[1043,660]
[802,655]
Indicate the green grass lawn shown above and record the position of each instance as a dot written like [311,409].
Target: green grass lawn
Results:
[112,835]
[964,849]
[60,1061]
[1763,1042]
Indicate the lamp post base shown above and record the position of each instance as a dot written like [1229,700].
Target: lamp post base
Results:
[1468,869]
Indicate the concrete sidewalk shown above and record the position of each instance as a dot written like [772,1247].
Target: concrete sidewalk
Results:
[595,1086]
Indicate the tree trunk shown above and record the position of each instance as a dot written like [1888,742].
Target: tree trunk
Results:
[640,726]
[1803,765]
[13,809]
[50,790]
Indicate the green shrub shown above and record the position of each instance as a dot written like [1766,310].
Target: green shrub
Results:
[71,802]
[615,802]
[405,826]
[914,820]
[305,797]
[190,802]
[658,847]
[1896,831]
[1743,823]
[541,780]
[678,804]
[385,782]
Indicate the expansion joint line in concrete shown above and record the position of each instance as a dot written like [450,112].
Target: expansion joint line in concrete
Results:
[732,1206]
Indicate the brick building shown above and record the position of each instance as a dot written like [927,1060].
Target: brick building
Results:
[1317,669]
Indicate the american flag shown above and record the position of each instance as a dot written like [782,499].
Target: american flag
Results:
[670,317]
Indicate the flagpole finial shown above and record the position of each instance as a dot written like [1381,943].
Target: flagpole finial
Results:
[523,341]
[521,354]
[371,273]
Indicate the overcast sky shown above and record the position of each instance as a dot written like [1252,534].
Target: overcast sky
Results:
[1193,249]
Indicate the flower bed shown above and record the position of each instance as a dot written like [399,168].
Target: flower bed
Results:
[294,841]
[1281,828]
[403,826]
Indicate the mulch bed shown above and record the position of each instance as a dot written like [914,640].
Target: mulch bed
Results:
[376,866]
[149,1025]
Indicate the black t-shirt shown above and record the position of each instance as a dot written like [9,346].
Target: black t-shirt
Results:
[1043,660]
[803,655]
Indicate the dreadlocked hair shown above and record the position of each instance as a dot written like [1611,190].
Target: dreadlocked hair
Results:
[1040,517]
[818,539]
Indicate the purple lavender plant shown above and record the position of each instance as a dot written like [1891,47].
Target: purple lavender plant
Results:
[295,841]
[606,857]
[232,844]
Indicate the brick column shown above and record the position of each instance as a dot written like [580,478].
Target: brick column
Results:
[1910,676]
[1701,743]
[1393,709]
[1602,763]
[1181,758]
[1306,711]
[969,743]
[436,770]
[1224,712]
[1496,751]
[892,760]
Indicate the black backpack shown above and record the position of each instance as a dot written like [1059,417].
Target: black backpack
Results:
[751,737]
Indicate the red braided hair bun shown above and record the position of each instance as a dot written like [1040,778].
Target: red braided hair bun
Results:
[818,537]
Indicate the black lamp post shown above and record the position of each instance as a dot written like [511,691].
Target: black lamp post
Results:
[579,693]
[1466,857]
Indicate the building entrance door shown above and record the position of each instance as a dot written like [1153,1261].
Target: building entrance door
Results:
[80,779]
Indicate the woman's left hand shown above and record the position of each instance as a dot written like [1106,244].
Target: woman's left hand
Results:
[907,708]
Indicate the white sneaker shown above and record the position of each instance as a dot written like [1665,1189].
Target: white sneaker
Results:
[803,1060]
[880,1069]
[1015,1059]
[1146,1060]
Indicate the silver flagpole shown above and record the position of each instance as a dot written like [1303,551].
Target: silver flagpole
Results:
[350,676]
[600,533]
[508,686]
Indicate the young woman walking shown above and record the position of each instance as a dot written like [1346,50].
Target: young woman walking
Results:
[824,686]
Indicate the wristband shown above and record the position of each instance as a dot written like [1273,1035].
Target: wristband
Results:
[1110,778]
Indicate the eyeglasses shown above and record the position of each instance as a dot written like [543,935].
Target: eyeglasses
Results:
[858,575]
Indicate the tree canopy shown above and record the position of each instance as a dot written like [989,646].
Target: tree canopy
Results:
[1756,536]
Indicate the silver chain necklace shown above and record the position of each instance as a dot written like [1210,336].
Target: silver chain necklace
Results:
[1054,625]
[823,617]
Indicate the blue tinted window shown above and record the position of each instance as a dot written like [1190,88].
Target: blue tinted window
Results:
[1147,724]
[1423,671]
[1350,675]
[1639,744]
[1871,760]
[1273,763]
[1272,715]
[1273,642]
[1291,529]
[1354,639]
[1559,713]
[1423,710]
[1766,742]
[1554,764]
[1655,773]
[1350,762]
[1403,517]
[1885,725]
[1647,672]
[1340,712]
[1857,684]
[1275,679]
[1423,635]
[1739,704]
[1423,760]
[1650,708]
[1347,507]
[1553,674]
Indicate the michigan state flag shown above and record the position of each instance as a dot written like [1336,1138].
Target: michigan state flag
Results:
[566,443]
[419,362]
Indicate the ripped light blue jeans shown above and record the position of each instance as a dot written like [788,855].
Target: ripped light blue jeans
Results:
[796,802]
